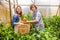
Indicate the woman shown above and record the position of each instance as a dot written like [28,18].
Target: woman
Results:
[37,18]
[17,17]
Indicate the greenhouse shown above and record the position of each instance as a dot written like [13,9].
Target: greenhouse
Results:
[29,19]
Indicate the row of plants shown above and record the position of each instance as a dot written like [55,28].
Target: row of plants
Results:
[50,32]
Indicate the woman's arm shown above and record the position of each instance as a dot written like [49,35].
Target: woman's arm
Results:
[15,20]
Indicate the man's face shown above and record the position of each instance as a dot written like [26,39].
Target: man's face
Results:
[33,9]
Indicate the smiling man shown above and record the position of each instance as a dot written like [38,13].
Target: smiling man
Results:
[37,18]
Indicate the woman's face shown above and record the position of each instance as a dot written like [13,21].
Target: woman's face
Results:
[33,9]
[18,9]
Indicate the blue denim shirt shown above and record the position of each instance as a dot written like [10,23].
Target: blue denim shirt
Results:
[15,19]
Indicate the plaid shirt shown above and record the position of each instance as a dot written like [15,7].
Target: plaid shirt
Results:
[37,16]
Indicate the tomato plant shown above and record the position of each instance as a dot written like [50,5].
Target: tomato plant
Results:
[50,32]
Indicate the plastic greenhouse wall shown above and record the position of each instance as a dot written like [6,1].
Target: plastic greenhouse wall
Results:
[48,8]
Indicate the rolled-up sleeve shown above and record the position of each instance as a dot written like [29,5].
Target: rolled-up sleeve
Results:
[14,19]
[38,16]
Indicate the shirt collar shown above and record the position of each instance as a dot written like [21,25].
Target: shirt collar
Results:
[35,11]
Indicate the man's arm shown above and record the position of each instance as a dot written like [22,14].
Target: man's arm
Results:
[32,21]
[37,19]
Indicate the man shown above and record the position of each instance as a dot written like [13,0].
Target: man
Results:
[37,18]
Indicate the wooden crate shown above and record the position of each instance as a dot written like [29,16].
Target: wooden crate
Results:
[23,28]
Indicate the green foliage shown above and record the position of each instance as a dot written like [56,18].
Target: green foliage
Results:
[50,32]
[28,16]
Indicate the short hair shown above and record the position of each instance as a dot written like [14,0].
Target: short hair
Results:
[32,6]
